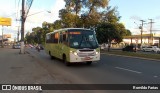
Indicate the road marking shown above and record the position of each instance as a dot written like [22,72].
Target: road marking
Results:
[155,76]
[129,70]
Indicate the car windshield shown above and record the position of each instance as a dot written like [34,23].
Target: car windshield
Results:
[80,39]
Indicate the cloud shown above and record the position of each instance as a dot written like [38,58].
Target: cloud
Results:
[38,16]
[55,9]
[41,6]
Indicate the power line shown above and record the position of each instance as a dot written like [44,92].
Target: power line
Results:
[28,6]
[17,11]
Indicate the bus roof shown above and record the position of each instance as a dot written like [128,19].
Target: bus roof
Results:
[68,29]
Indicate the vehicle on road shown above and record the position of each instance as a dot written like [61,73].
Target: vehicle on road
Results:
[31,46]
[73,45]
[39,47]
[130,48]
[150,49]
[16,46]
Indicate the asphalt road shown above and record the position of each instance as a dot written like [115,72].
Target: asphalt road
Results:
[128,70]
[36,68]
[110,69]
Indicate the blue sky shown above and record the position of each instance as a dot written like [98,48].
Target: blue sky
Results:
[130,10]
[135,10]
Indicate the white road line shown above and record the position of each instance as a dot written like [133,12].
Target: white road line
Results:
[155,76]
[129,70]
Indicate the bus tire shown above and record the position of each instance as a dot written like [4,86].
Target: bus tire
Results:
[89,62]
[51,56]
[65,61]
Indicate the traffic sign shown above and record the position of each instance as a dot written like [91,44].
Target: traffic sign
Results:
[5,21]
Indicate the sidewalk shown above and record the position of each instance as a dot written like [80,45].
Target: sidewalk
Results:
[18,68]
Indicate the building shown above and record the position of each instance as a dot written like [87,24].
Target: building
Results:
[6,39]
[145,39]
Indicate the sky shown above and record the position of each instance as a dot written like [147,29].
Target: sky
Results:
[131,12]
[36,16]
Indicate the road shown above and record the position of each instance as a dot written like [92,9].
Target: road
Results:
[128,70]
[36,68]
[110,70]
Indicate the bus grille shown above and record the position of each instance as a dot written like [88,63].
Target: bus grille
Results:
[85,50]
[86,54]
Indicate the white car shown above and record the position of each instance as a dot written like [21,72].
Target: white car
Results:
[151,49]
[16,46]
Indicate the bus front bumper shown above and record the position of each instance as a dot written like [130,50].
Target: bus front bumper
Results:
[76,58]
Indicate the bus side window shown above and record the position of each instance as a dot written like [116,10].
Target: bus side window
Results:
[56,37]
[52,38]
[65,38]
[61,38]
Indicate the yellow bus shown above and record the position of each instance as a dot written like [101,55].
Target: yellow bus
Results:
[73,45]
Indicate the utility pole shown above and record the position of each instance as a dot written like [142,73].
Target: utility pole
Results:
[18,34]
[142,30]
[22,28]
[151,35]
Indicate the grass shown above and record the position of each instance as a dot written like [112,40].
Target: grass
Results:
[134,54]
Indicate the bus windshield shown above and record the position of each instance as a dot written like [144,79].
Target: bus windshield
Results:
[80,39]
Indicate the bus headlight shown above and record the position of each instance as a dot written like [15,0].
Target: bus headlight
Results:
[73,52]
[96,53]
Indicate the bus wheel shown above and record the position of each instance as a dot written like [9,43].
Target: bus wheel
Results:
[51,56]
[89,62]
[65,61]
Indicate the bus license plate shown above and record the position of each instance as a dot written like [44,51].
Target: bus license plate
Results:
[87,58]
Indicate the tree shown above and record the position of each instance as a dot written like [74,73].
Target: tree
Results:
[110,29]
[88,14]
[89,8]
[105,33]
[74,6]
[37,33]
[29,38]
[57,24]
[128,33]
[67,18]
[110,15]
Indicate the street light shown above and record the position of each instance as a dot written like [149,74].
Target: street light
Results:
[23,19]
[38,13]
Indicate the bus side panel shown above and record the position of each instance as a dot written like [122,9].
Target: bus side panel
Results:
[54,50]
[50,48]
[66,50]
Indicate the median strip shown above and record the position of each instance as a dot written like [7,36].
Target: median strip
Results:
[155,57]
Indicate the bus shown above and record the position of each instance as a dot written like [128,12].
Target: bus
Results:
[73,45]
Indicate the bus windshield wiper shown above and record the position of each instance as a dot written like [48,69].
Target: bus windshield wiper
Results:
[81,41]
[83,37]
[90,43]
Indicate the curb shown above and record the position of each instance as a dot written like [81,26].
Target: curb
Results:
[135,57]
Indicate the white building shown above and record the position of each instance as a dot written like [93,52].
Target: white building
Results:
[6,39]
[145,39]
